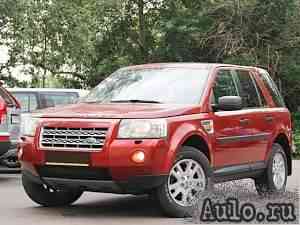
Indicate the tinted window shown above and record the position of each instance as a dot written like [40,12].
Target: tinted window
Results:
[53,99]
[224,85]
[261,96]
[247,90]
[28,101]
[272,88]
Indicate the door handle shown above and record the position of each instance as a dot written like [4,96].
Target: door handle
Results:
[244,122]
[269,119]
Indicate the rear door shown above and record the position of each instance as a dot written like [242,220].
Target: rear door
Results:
[254,109]
[275,113]
[10,121]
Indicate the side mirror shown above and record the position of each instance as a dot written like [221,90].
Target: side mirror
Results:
[230,103]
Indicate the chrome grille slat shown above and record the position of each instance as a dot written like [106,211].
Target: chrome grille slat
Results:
[88,139]
[73,133]
[66,141]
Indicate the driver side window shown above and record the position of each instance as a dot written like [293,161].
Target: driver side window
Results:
[224,86]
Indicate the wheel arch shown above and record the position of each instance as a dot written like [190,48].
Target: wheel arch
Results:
[199,143]
[283,140]
[191,139]
[189,134]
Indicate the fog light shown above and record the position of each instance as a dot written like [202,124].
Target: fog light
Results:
[138,157]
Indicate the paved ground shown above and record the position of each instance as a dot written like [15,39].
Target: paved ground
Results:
[92,208]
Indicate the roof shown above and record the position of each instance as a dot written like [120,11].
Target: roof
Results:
[185,65]
[44,90]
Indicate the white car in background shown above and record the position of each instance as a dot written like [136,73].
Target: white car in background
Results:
[32,99]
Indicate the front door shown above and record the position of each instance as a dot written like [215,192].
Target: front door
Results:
[238,138]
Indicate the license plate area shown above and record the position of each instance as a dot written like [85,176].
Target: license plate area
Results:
[56,158]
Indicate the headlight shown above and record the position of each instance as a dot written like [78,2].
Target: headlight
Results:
[28,124]
[143,128]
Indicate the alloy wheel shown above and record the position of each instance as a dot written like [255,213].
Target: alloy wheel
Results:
[186,180]
[278,171]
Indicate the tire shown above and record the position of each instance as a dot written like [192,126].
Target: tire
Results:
[171,204]
[48,197]
[266,184]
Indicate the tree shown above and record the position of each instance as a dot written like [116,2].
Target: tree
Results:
[80,42]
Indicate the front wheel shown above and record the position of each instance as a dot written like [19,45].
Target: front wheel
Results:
[275,176]
[45,196]
[188,177]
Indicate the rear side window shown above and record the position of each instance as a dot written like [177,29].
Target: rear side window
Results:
[247,89]
[224,85]
[28,101]
[53,99]
[272,88]
[261,95]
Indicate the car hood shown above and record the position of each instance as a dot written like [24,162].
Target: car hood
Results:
[117,110]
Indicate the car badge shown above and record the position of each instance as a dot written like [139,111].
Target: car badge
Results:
[91,141]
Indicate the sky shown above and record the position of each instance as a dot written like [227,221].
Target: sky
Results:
[16,72]
[3,54]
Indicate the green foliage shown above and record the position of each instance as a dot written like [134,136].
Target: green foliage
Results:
[296,124]
[80,42]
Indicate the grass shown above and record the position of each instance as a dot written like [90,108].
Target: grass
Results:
[296,120]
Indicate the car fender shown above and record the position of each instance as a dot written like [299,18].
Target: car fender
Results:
[280,129]
[177,139]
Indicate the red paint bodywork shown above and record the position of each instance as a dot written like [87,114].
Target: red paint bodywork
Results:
[3,110]
[3,106]
[184,121]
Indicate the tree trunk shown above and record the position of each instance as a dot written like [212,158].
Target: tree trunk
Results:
[44,55]
[142,30]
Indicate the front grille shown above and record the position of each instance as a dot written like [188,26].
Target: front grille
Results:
[73,138]
[69,172]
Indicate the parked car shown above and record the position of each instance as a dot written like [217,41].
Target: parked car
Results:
[39,98]
[9,131]
[162,129]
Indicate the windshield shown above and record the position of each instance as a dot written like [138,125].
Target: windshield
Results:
[167,85]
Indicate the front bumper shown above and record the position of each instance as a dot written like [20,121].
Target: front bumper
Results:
[134,185]
[109,170]
[116,157]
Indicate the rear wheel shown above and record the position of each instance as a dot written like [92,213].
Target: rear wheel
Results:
[45,196]
[188,177]
[275,176]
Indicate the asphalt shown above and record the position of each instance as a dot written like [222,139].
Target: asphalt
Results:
[97,208]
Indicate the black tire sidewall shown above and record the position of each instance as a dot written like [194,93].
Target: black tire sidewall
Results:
[265,183]
[276,148]
[169,206]
[37,193]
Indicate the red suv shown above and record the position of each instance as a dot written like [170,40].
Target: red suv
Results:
[9,131]
[160,129]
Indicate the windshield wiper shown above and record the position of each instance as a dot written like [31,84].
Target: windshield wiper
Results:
[135,101]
